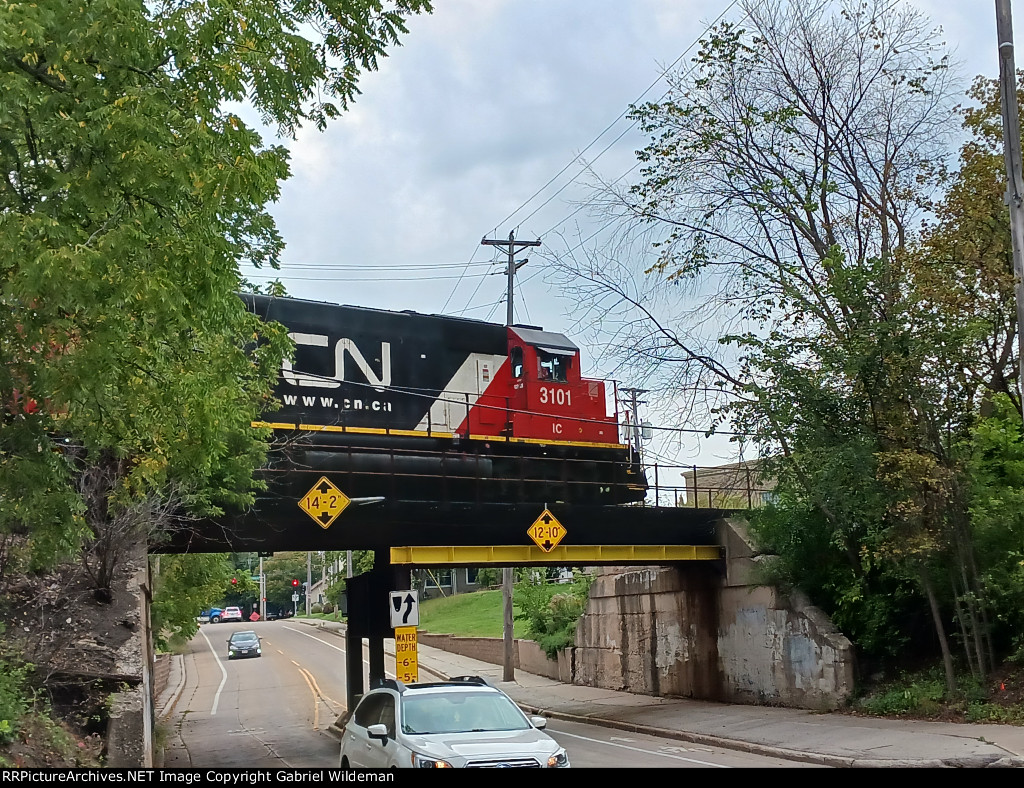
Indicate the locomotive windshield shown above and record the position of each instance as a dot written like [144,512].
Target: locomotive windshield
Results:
[553,364]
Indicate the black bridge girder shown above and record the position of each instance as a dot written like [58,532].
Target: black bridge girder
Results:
[278,524]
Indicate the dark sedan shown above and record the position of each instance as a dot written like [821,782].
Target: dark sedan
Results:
[244,644]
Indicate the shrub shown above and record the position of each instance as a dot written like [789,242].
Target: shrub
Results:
[14,699]
[328,607]
[552,610]
[317,608]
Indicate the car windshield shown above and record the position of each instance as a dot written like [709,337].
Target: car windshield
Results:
[244,639]
[460,712]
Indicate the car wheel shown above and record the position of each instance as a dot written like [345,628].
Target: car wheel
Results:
[215,620]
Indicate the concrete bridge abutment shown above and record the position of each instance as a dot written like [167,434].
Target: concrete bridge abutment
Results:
[711,632]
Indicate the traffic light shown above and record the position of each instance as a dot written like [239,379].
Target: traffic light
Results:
[295,583]
[234,581]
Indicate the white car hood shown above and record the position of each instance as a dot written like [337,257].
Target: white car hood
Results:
[487,745]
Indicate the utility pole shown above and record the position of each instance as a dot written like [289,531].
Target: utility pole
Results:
[633,403]
[510,247]
[309,577]
[263,592]
[1012,156]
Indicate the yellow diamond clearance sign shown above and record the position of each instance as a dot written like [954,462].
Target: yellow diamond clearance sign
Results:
[546,532]
[324,502]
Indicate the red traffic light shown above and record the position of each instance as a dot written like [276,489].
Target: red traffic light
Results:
[294,583]
[234,581]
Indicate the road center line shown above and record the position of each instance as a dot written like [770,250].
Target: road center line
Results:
[331,645]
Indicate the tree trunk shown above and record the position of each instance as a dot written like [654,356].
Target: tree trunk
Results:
[940,630]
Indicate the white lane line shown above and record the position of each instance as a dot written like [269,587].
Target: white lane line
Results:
[336,648]
[223,673]
[639,749]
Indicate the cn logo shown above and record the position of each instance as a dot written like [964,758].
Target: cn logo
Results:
[342,348]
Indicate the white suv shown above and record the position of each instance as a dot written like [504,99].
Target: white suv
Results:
[463,722]
[231,614]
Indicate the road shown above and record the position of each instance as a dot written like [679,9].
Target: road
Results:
[273,712]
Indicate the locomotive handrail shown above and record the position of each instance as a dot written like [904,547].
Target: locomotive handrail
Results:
[714,487]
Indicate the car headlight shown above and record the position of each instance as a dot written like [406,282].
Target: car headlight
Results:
[423,762]
[558,760]
[258,651]
[231,652]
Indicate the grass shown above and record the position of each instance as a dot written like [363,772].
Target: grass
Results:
[477,614]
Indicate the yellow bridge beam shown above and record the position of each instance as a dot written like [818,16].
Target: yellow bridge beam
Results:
[563,555]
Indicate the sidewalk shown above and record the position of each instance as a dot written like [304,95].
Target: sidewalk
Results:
[829,739]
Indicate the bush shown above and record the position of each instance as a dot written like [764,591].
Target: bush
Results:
[488,577]
[317,608]
[14,700]
[552,610]
[328,607]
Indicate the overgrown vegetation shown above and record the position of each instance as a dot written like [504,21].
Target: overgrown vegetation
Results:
[857,303]
[130,371]
[551,610]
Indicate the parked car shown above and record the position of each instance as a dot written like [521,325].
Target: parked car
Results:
[464,722]
[231,614]
[211,616]
[244,644]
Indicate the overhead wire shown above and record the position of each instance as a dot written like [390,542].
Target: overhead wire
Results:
[578,156]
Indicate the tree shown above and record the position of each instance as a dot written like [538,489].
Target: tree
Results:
[782,188]
[130,195]
[184,585]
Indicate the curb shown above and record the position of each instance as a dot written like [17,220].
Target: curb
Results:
[169,697]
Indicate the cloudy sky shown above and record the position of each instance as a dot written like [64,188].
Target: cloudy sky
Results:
[480,124]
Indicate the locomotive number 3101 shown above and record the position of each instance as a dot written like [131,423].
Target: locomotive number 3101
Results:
[555,396]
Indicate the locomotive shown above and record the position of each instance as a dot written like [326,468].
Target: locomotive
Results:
[411,406]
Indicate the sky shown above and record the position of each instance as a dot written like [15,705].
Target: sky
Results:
[496,116]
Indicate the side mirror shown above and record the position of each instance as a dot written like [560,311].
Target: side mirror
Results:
[378,731]
[539,722]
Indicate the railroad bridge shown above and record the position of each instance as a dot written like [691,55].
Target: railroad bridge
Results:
[684,614]
[679,611]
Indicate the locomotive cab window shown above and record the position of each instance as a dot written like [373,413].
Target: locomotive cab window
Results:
[516,359]
[552,366]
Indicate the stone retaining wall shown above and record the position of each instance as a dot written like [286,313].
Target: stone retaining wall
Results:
[130,727]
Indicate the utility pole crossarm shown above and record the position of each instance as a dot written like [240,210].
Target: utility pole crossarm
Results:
[510,247]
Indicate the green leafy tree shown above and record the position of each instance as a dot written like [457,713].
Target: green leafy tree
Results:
[130,195]
[184,585]
[783,186]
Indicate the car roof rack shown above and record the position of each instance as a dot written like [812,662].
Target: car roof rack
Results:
[395,684]
[470,680]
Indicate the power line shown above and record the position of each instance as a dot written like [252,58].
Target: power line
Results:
[386,267]
[609,126]
[603,151]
